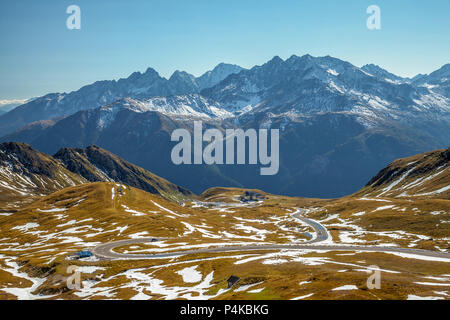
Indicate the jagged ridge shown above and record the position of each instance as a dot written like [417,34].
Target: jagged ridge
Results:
[98,165]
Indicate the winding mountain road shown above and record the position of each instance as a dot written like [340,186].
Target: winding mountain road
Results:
[106,251]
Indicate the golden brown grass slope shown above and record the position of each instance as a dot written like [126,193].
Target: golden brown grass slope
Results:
[36,240]
[421,176]
[99,165]
[407,203]
[26,174]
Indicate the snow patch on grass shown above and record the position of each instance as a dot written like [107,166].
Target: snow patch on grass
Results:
[190,275]
[346,287]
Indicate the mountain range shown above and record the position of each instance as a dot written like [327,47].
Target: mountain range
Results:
[138,85]
[339,124]
[27,174]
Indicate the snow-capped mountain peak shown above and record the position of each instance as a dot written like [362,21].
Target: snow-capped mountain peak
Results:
[218,74]
[189,105]
[304,85]
[383,74]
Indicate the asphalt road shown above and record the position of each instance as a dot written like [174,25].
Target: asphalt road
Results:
[106,251]
[320,230]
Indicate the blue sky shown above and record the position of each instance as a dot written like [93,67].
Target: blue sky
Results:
[38,54]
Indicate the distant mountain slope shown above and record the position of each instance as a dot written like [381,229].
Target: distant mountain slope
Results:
[137,85]
[98,165]
[328,155]
[438,81]
[140,137]
[31,131]
[218,74]
[8,105]
[424,175]
[188,105]
[26,173]
[383,74]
